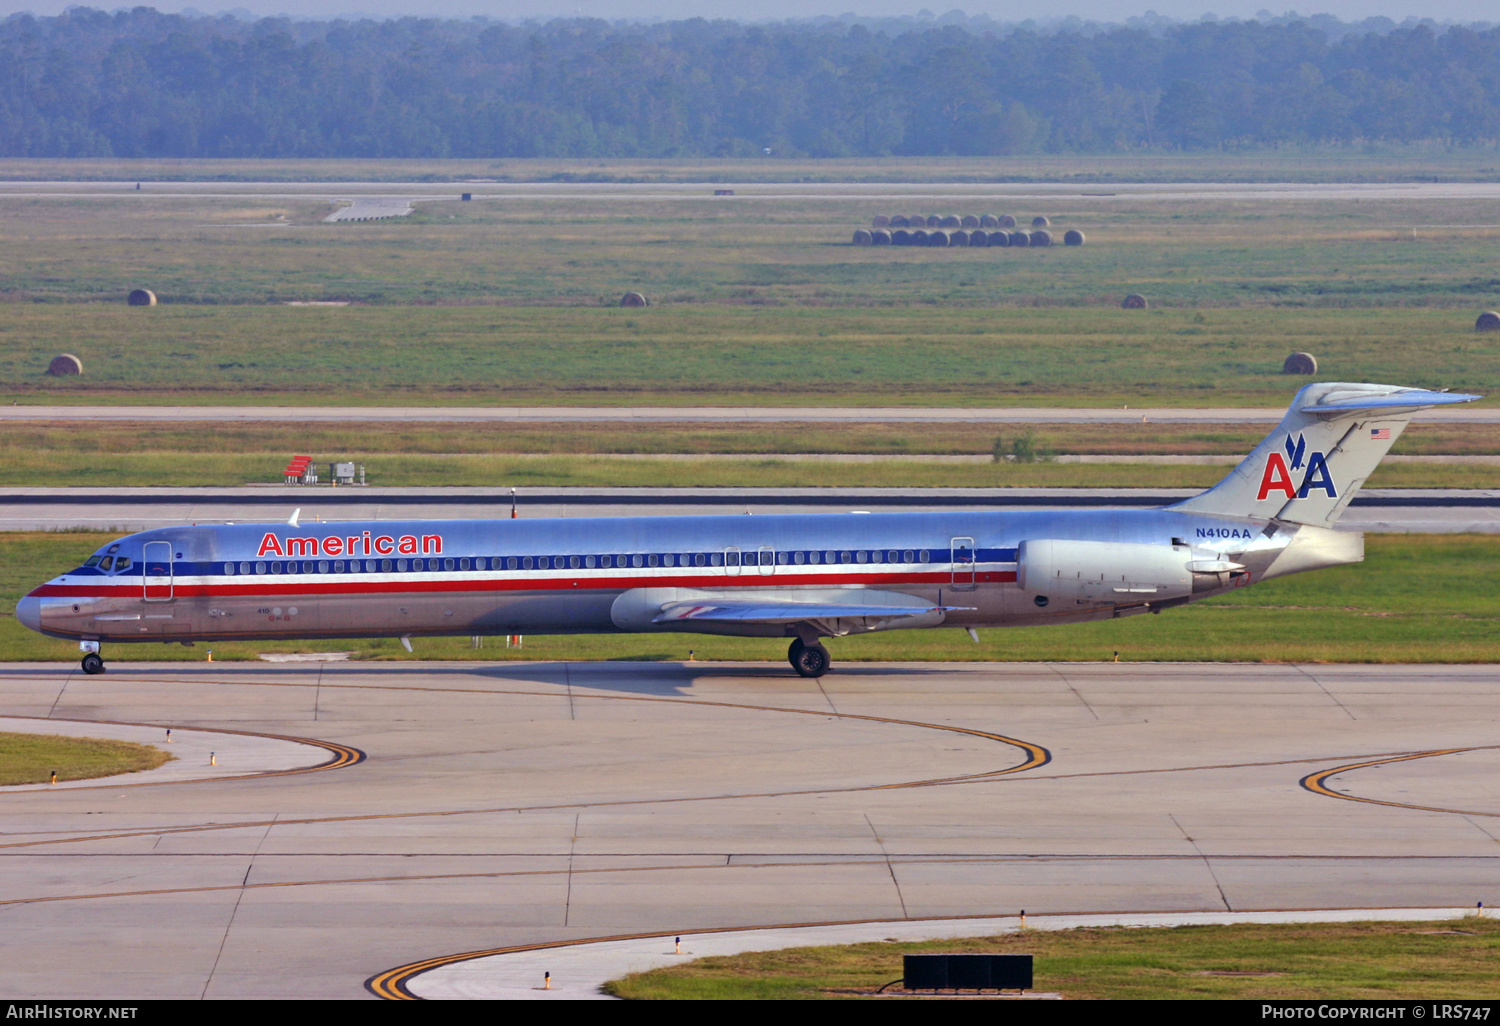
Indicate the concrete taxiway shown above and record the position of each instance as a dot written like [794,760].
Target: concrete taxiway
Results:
[481,806]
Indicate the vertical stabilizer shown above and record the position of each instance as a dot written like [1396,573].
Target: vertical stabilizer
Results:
[1324,449]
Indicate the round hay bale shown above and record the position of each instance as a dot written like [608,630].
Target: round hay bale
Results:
[979,237]
[933,221]
[939,239]
[918,221]
[632,299]
[862,237]
[1074,237]
[951,222]
[970,221]
[1300,363]
[141,297]
[999,240]
[919,237]
[880,221]
[900,237]
[1005,221]
[1041,237]
[66,365]
[1040,222]
[899,221]
[1134,301]
[1021,238]
[880,237]
[958,238]
[1488,321]
[989,221]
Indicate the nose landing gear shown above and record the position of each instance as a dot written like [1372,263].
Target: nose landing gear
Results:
[809,660]
[92,662]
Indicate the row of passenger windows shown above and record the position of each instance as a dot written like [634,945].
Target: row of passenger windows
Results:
[651,559]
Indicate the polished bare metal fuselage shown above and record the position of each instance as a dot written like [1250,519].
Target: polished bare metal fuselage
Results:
[384,579]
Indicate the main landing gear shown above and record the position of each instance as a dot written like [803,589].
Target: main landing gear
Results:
[809,660]
[92,662]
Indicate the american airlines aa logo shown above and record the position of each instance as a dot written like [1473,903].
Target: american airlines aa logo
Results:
[1277,477]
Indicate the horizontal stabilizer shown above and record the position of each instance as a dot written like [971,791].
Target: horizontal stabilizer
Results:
[1359,400]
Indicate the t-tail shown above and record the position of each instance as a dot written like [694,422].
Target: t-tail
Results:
[1321,453]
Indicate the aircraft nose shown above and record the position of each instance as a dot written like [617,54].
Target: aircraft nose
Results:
[29,612]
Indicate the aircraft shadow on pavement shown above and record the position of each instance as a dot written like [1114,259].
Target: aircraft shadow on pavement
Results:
[643,677]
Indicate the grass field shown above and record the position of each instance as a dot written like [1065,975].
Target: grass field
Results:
[38,469]
[32,758]
[1416,599]
[758,298]
[1447,960]
[725,355]
[672,455]
[95,438]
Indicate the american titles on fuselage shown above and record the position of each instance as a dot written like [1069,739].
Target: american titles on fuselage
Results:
[362,544]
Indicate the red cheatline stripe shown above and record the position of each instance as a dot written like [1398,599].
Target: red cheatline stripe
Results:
[360,585]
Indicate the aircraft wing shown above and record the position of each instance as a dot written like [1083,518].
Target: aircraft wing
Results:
[785,612]
[863,611]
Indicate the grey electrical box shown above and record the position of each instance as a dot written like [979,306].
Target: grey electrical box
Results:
[342,473]
[967,972]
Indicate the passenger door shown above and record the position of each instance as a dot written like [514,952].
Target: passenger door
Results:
[965,561]
[156,571]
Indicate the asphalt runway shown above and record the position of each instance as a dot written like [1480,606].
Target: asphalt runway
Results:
[473,806]
[1427,511]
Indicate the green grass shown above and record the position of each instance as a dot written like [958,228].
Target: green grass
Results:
[32,758]
[724,355]
[563,454]
[1416,599]
[759,299]
[1449,960]
[37,469]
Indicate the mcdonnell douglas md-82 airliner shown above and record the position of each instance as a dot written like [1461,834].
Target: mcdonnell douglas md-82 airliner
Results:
[803,577]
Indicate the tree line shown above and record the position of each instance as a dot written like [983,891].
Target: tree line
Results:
[140,83]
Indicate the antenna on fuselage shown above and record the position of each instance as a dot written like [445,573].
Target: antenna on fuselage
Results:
[513,504]
[292,520]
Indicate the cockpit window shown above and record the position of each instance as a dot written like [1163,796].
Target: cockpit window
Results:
[106,562]
[113,548]
[92,561]
[122,563]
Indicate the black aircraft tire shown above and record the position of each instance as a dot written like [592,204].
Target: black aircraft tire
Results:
[795,651]
[810,660]
[92,663]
